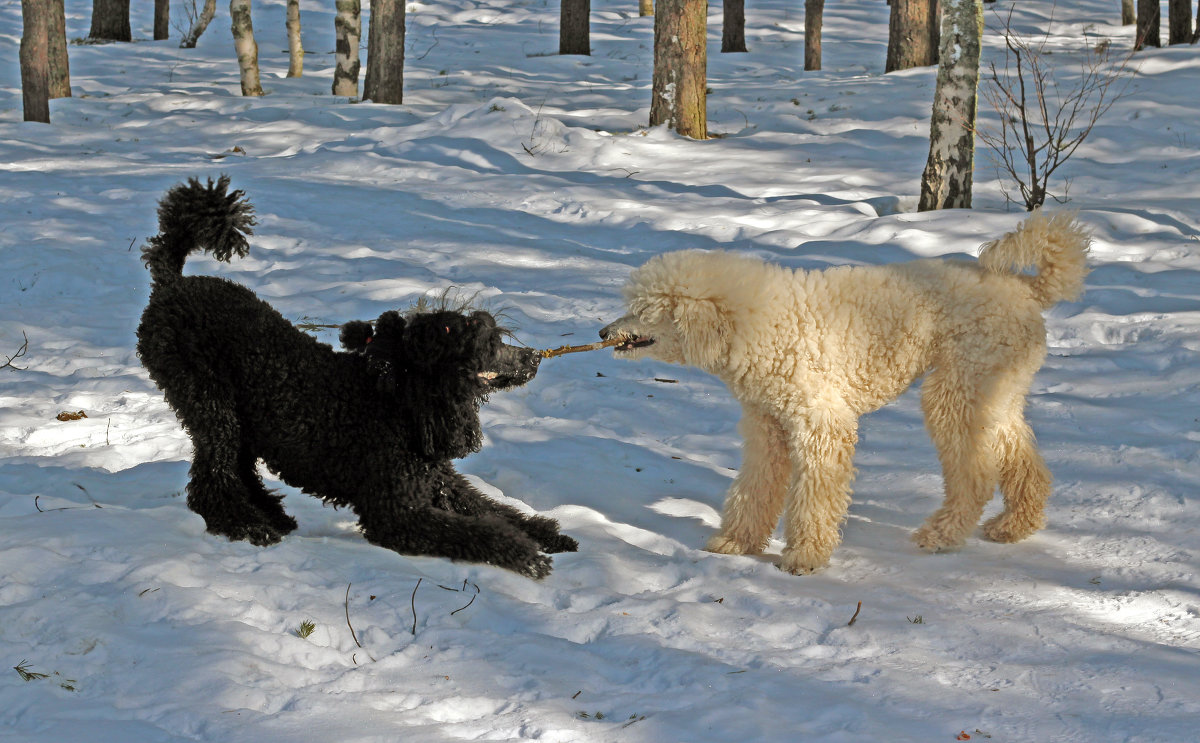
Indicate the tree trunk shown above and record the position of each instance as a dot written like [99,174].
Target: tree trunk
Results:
[946,182]
[201,23]
[574,27]
[912,35]
[1179,22]
[162,19]
[110,20]
[347,27]
[245,46]
[60,68]
[814,16]
[733,26]
[1128,14]
[385,53]
[645,7]
[680,68]
[1149,18]
[295,48]
[35,59]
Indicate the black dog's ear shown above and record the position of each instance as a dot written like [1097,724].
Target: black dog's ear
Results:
[390,326]
[382,351]
[355,335]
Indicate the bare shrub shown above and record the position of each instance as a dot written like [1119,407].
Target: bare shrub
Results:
[1042,120]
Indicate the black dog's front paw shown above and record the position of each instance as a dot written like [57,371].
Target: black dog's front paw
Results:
[560,543]
[544,531]
[537,568]
[260,535]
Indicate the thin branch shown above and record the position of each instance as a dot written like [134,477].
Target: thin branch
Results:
[550,353]
[414,605]
[469,602]
[854,618]
[351,626]
[8,360]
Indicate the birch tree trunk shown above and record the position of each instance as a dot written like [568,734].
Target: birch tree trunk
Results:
[35,60]
[201,23]
[645,7]
[814,16]
[385,53]
[60,68]
[946,182]
[1128,14]
[245,46]
[347,28]
[295,48]
[574,27]
[680,68]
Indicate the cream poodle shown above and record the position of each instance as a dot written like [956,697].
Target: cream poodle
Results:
[808,352]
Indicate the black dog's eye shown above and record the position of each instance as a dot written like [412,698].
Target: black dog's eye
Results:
[447,328]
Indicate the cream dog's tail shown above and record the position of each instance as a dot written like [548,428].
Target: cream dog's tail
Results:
[1055,246]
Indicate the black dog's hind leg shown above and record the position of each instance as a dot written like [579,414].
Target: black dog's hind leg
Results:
[268,503]
[217,489]
[458,495]
[425,530]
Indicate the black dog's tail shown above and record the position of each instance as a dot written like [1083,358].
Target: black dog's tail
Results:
[194,216]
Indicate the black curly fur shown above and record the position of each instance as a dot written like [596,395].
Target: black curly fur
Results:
[194,216]
[374,427]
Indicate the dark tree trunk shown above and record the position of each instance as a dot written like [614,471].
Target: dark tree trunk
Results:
[60,69]
[574,27]
[110,20]
[385,53]
[162,19]
[733,26]
[912,35]
[1149,18]
[35,59]
[680,68]
[1179,22]
[814,16]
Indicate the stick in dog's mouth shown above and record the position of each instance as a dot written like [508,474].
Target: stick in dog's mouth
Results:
[629,343]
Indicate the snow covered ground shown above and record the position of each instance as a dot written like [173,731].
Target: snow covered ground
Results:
[529,179]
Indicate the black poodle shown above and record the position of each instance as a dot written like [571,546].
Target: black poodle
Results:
[373,427]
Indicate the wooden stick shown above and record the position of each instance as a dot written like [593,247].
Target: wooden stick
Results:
[550,353]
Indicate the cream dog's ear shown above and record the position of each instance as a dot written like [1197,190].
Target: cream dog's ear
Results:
[704,328]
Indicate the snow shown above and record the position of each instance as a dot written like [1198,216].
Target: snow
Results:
[529,180]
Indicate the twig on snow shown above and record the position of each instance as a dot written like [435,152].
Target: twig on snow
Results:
[414,605]
[351,626]
[8,360]
[854,618]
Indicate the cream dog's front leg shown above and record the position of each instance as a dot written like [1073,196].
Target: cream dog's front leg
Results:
[821,444]
[755,499]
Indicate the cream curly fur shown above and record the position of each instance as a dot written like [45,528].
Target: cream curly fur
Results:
[808,352]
